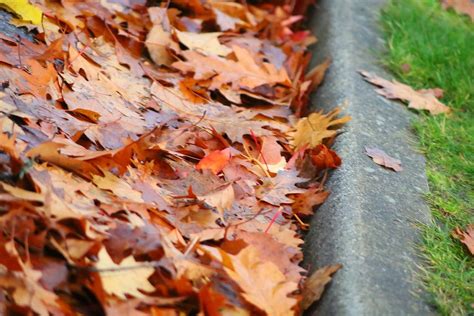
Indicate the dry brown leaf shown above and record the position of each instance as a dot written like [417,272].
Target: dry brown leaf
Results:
[314,285]
[272,293]
[128,277]
[316,75]
[224,119]
[305,202]
[159,38]
[222,199]
[466,237]
[272,250]
[207,43]
[416,99]
[312,130]
[118,186]
[381,158]
[28,292]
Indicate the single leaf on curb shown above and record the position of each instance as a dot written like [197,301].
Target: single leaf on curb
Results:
[314,285]
[381,158]
[421,100]
[466,237]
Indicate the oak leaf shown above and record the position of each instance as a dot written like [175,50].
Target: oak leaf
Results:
[396,90]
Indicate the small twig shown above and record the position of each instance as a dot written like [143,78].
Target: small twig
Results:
[298,219]
[273,219]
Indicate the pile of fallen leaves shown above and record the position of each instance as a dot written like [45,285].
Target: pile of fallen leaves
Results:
[154,159]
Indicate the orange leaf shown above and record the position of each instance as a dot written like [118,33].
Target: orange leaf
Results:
[215,161]
[323,158]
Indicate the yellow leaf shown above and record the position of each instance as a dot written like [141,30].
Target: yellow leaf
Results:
[312,130]
[24,9]
[118,186]
[128,277]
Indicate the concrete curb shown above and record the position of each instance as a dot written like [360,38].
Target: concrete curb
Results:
[369,221]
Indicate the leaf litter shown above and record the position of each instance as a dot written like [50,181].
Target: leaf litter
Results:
[155,160]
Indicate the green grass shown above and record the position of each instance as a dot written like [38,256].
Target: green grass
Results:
[438,46]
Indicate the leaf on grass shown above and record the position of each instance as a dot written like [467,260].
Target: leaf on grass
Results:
[128,277]
[312,130]
[314,285]
[420,100]
[460,6]
[466,237]
[381,158]
[271,294]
